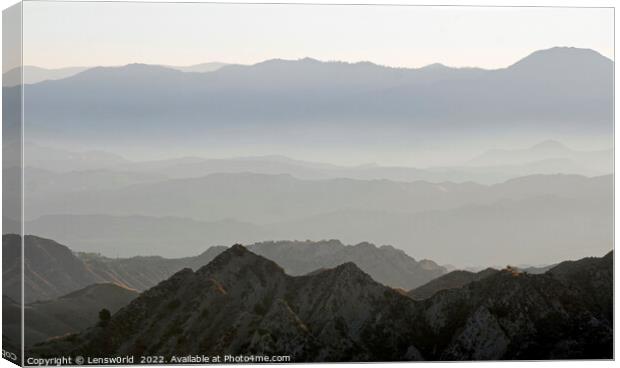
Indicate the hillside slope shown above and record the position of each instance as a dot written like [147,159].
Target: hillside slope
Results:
[451,280]
[73,312]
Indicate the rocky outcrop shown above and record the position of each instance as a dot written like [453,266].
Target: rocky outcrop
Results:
[386,264]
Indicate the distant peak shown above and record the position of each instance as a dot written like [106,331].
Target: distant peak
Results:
[310,60]
[279,61]
[350,269]
[238,256]
[238,249]
[234,252]
[307,60]
[565,50]
[347,265]
[435,66]
[569,50]
[313,61]
[568,56]
[366,245]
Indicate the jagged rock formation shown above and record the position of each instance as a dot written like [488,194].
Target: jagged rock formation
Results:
[385,264]
[591,277]
[242,303]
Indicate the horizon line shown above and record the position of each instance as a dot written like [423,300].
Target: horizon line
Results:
[225,64]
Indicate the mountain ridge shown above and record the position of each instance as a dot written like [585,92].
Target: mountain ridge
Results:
[212,66]
[242,303]
[50,275]
[406,215]
[246,185]
[531,160]
[284,96]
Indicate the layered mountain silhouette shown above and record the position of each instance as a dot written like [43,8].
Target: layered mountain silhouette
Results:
[550,152]
[34,74]
[58,160]
[543,228]
[144,239]
[278,97]
[41,182]
[127,236]
[242,303]
[260,198]
[53,270]
[105,170]
[469,222]
[385,264]
[200,68]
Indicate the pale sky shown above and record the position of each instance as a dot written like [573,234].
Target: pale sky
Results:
[58,34]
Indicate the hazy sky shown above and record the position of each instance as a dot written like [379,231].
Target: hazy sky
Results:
[60,34]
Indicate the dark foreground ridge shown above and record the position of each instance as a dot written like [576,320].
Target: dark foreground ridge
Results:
[242,303]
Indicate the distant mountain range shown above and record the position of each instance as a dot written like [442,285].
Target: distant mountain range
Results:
[200,68]
[126,236]
[34,74]
[52,270]
[554,216]
[491,167]
[545,152]
[386,264]
[59,160]
[554,92]
[242,303]
[264,199]
[149,240]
